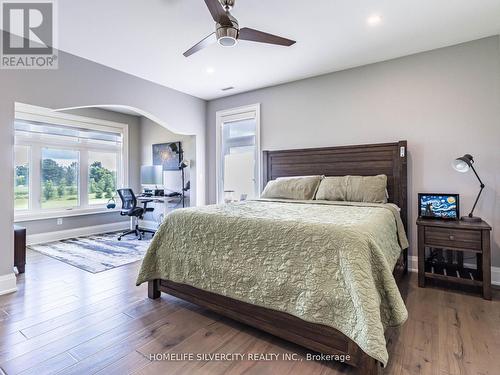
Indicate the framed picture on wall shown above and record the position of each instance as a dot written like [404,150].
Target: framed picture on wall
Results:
[168,155]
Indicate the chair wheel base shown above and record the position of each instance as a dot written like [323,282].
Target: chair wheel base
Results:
[139,233]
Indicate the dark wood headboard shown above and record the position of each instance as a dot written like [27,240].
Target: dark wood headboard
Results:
[359,160]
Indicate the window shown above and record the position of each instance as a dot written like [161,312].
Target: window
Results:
[60,175]
[238,161]
[21,177]
[66,164]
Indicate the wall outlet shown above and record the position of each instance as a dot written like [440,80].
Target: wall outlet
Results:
[59,221]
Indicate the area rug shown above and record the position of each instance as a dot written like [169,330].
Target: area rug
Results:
[96,253]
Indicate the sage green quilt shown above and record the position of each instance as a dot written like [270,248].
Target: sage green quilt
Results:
[324,262]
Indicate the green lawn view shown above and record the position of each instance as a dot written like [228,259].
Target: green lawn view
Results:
[59,178]
[21,197]
[63,197]
[102,181]
[94,200]
[21,201]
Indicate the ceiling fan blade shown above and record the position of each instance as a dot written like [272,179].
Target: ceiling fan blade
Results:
[262,37]
[218,13]
[201,44]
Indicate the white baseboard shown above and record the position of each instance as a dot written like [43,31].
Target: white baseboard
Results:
[38,238]
[8,283]
[495,275]
[495,271]
[412,263]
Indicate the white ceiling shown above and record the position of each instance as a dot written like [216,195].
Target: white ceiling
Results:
[147,38]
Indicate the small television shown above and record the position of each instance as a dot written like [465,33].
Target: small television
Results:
[438,206]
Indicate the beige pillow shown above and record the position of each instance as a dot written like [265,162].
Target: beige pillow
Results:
[332,189]
[300,188]
[371,189]
[366,188]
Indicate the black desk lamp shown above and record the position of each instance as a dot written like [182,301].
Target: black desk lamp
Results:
[183,165]
[463,164]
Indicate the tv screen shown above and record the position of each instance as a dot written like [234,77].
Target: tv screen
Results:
[440,206]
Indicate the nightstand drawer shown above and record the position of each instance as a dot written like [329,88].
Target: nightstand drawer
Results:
[445,237]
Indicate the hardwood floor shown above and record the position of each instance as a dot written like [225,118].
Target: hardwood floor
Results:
[64,320]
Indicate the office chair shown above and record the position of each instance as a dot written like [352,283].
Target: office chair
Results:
[130,208]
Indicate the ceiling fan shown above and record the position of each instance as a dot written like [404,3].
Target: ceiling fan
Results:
[227,30]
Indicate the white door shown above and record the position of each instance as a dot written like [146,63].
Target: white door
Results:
[238,153]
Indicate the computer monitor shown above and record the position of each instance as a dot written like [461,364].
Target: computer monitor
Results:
[152,175]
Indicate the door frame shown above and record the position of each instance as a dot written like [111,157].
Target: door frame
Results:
[229,115]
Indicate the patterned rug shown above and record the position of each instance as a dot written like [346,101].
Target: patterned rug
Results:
[96,253]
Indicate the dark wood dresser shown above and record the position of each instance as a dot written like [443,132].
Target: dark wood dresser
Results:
[19,248]
[441,248]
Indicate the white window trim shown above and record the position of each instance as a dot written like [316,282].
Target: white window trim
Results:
[235,114]
[45,115]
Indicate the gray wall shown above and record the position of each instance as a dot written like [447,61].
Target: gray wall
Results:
[152,133]
[444,102]
[72,222]
[79,82]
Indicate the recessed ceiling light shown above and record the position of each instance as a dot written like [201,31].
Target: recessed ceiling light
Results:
[210,70]
[374,20]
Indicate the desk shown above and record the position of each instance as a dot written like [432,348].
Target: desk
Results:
[162,205]
[142,198]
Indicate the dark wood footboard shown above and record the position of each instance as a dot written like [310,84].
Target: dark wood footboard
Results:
[316,337]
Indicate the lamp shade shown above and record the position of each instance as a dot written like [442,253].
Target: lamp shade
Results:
[151,175]
[463,163]
[185,163]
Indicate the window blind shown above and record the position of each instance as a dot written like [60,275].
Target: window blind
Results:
[70,133]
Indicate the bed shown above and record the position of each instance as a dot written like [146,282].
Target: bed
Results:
[254,300]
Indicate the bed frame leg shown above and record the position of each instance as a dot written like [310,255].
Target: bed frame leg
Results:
[154,289]
[369,366]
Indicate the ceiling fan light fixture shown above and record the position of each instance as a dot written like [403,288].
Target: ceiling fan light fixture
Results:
[228,33]
[227,36]
[227,41]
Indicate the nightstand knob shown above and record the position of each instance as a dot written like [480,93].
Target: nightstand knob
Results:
[452,237]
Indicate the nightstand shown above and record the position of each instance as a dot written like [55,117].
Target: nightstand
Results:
[441,247]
